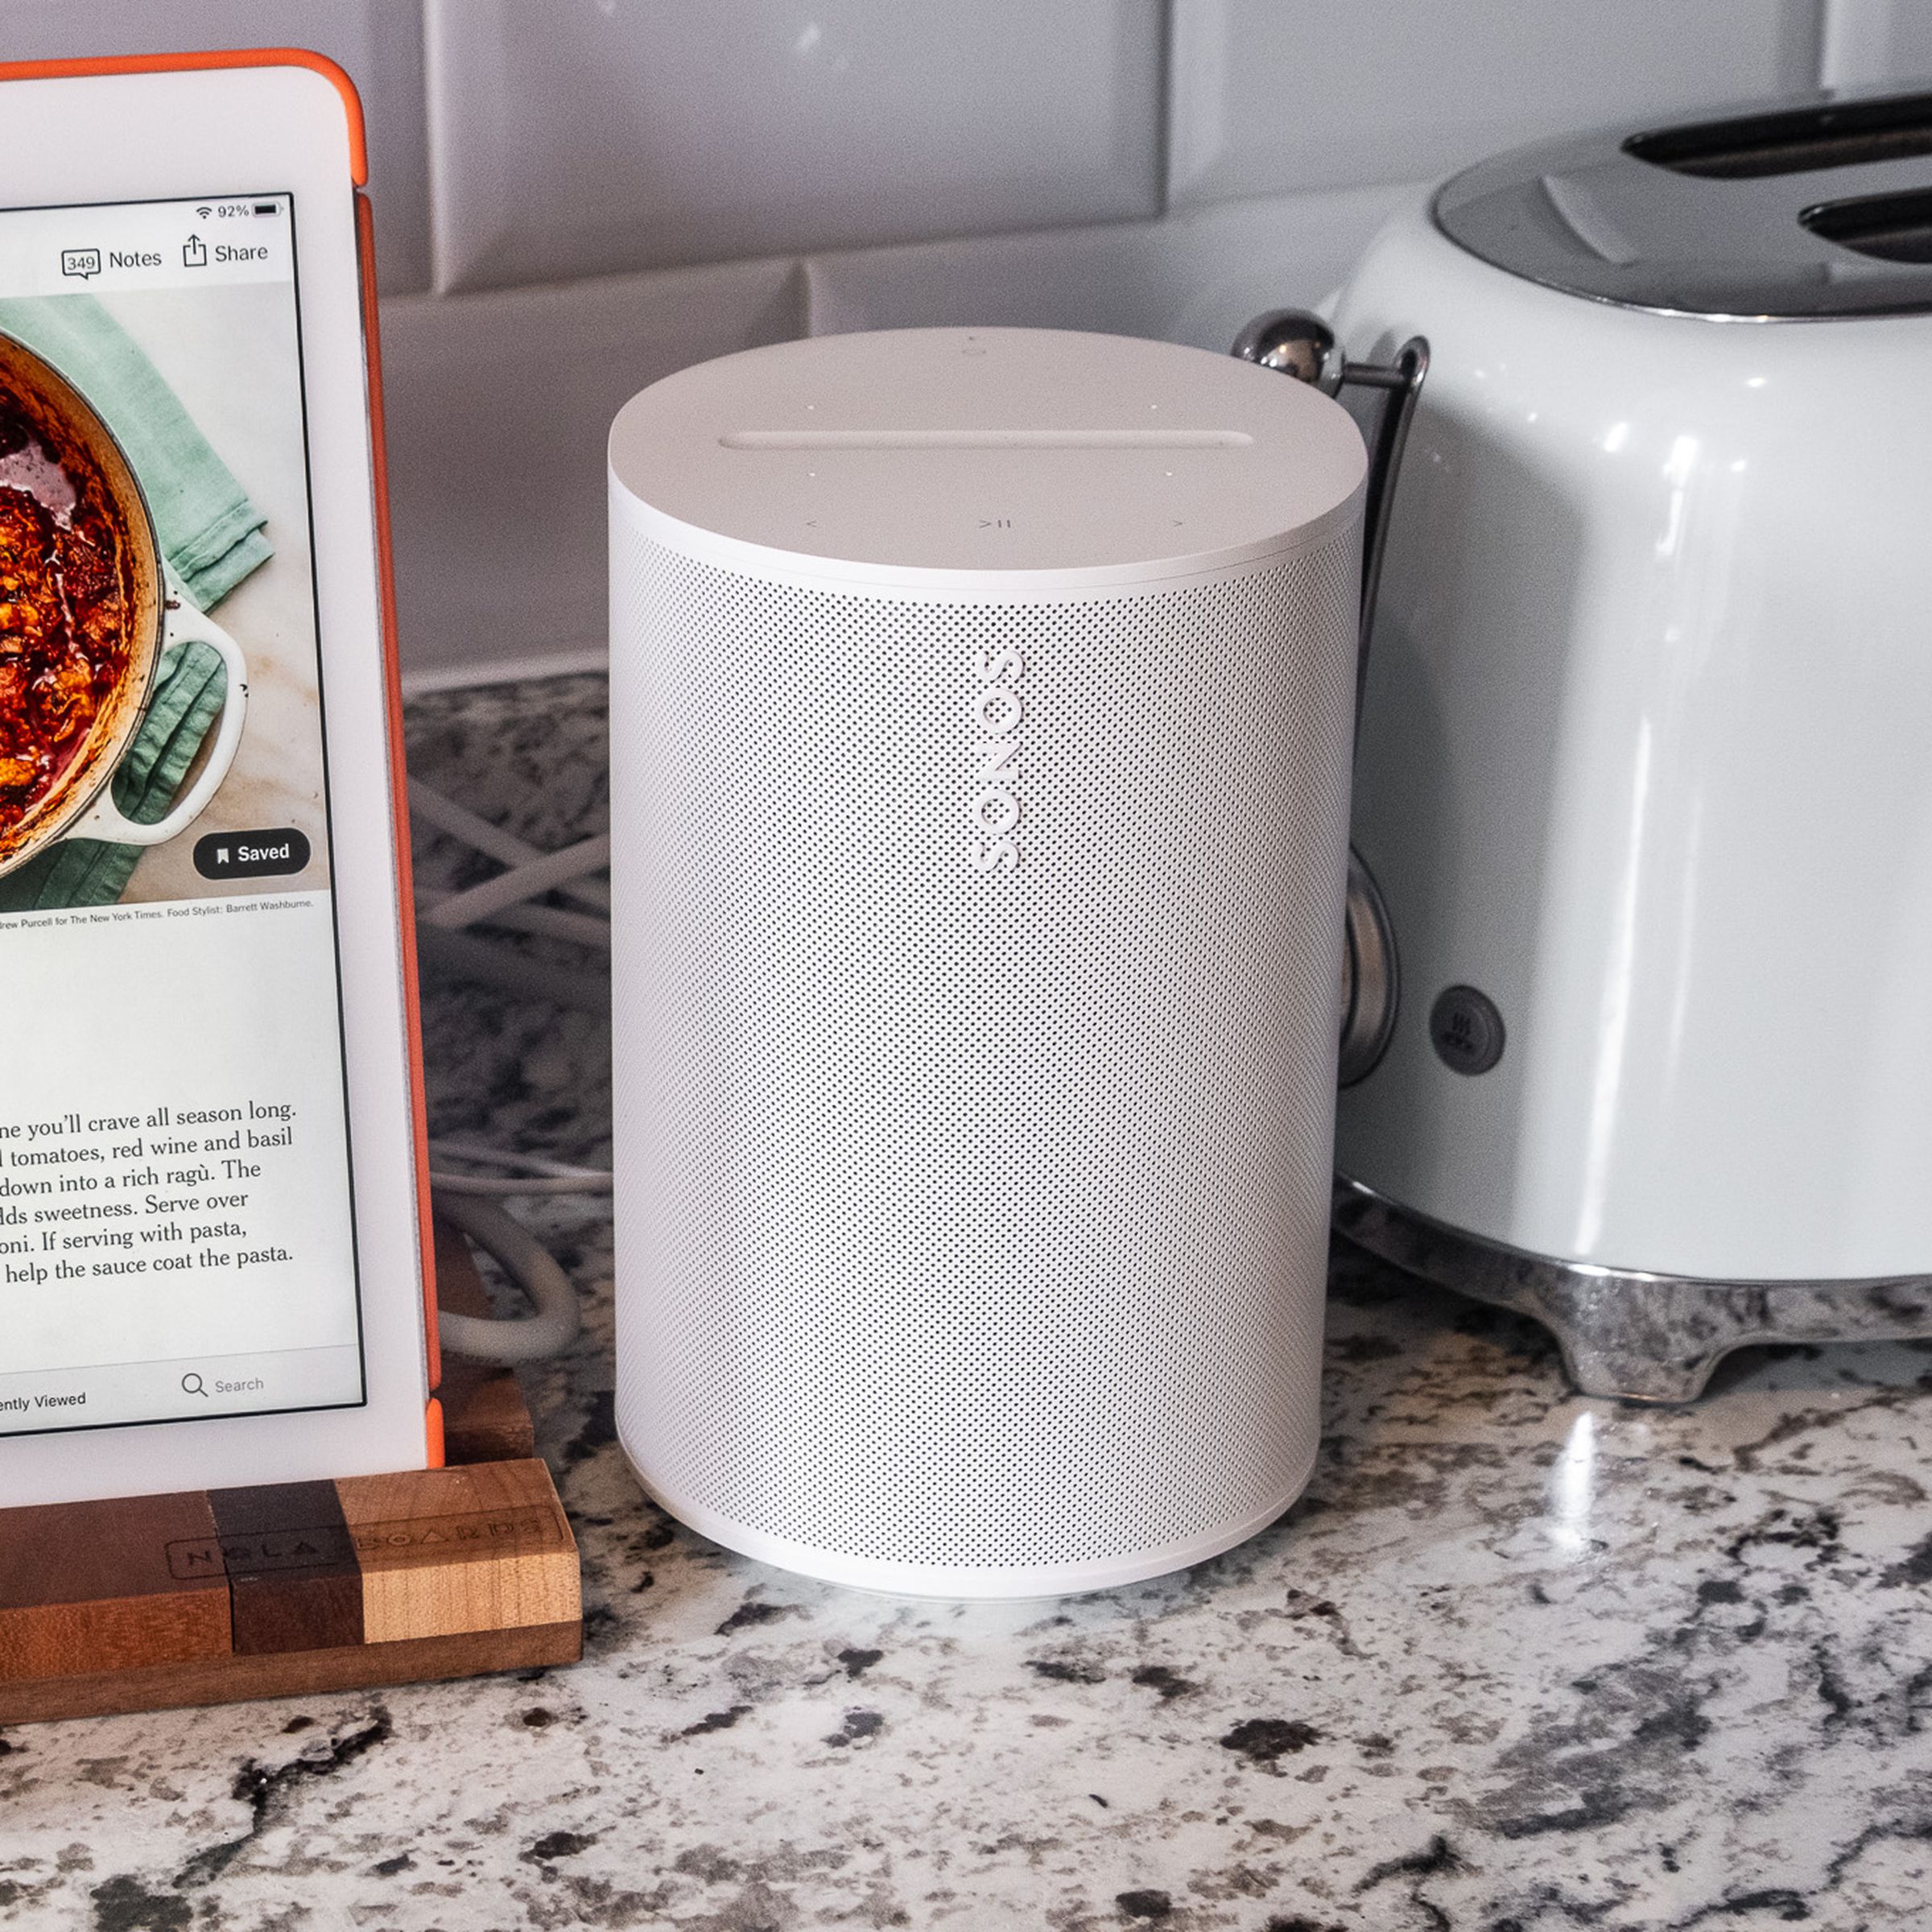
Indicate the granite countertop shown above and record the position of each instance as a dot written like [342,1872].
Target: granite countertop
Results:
[1518,1660]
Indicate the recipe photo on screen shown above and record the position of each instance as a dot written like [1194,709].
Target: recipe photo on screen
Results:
[175,1231]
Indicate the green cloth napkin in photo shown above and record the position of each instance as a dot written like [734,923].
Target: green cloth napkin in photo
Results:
[210,534]
[189,691]
[209,530]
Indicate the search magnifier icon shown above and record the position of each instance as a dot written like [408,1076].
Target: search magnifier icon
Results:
[192,1384]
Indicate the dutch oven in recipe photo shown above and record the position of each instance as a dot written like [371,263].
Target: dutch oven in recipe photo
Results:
[88,609]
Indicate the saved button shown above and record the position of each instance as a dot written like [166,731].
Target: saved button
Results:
[251,855]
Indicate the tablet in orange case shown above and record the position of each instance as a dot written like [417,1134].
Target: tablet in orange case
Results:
[358,159]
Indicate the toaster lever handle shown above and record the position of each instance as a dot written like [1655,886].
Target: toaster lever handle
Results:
[1300,344]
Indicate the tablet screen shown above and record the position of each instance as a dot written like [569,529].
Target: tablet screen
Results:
[175,1232]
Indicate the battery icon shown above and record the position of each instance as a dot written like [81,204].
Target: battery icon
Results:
[266,208]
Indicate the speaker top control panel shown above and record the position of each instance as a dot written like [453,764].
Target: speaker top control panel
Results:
[961,457]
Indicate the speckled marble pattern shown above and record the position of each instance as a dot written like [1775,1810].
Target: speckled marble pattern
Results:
[1518,1660]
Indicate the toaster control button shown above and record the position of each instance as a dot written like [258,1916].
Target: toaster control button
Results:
[1466,1029]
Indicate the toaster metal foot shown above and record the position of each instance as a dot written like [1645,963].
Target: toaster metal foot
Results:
[1645,1338]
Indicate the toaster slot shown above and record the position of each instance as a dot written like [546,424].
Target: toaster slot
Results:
[1894,227]
[1798,141]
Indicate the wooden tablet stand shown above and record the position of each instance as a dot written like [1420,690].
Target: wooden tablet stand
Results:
[215,1595]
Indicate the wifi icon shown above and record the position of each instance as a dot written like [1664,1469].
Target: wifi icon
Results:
[204,212]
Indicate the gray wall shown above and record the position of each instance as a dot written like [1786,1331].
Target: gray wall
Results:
[576,196]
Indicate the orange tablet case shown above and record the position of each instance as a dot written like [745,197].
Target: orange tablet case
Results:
[358,163]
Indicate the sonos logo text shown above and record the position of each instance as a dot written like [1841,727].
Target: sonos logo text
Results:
[996,712]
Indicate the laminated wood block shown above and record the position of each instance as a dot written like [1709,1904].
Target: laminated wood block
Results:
[451,1572]
[290,1673]
[295,1588]
[110,1586]
[292,1577]
[483,1547]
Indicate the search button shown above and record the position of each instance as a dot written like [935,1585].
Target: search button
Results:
[192,1384]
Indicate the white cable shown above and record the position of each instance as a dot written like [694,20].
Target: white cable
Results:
[494,1185]
[503,901]
[553,923]
[505,1156]
[539,1175]
[521,882]
[512,971]
[460,823]
[532,1338]
[460,1198]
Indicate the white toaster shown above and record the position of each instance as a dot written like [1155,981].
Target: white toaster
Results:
[1644,772]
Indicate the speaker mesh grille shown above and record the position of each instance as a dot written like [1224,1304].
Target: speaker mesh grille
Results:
[990,1211]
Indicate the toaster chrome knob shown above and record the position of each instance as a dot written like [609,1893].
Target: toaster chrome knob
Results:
[1371,982]
[1298,342]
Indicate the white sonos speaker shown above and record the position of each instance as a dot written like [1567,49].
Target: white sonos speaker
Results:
[981,707]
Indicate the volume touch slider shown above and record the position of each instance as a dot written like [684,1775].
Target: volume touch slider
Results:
[985,439]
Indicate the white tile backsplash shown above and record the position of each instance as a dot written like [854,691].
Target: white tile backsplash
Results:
[1870,41]
[498,407]
[1273,94]
[1194,277]
[379,42]
[500,401]
[1156,168]
[583,135]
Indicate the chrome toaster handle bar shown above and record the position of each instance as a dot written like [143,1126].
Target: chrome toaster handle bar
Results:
[1298,342]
